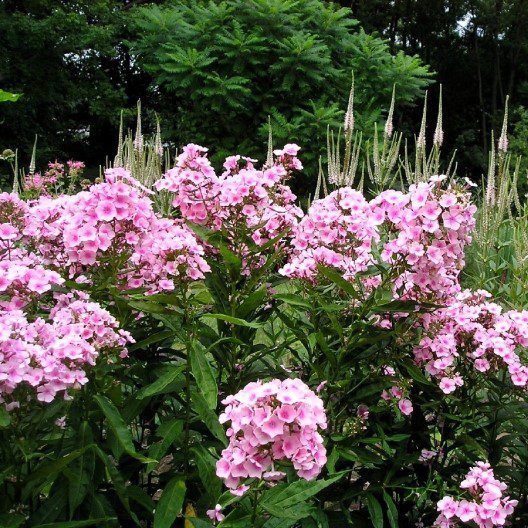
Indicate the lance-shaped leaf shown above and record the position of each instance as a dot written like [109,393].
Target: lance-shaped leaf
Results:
[203,374]
[118,427]
[170,503]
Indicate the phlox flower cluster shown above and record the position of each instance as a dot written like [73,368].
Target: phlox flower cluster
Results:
[40,183]
[397,394]
[75,165]
[428,228]
[113,226]
[193,184]
[51,355]
[337,231]
[170,252]
[249,206]
[13,221]
[287,157]
[272,423]
[488,507]
[421,234]
[23,279]
[44,183]
[95,225]
[474,330]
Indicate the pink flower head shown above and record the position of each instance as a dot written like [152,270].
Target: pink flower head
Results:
[470,321]
[273,422]
[405,407]
[487,507]
[216,514]
[447,507]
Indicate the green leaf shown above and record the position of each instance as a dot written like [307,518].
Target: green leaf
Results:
[143,499]
[293,513]
[169,432]
[81,469]
[218,241]
[234,320]
[118,482]
[58,464]
[203,232]
[8,97]
[170,503]
[293,300]
[119,428]
[375,511]
[275,522]
[203,374]
[78,524]
[238,518]
[229,257]
[336,277]
[199,523]
[148,306]
[206,464]
[150,340]
[169,376]
[11,520]
[286,495]
[251,303]
[392,511]
[368,390]
[208,417]
[5,417]
[52,507]
[416,373]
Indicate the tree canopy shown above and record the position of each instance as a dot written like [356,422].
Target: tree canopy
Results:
[213,71]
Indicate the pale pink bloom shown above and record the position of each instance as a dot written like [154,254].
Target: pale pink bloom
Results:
[447,385]
[216,514]
[447,506]
[405,407]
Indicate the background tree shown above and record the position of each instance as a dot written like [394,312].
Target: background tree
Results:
[220,68]
[478,49]
[212,71]
[68,59]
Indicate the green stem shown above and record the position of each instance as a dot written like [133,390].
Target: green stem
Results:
[188,322]
[254,512]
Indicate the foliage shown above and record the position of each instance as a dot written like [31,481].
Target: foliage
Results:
[518,141]
[72,60]
[66,58]
[223,67]
[8,97]
[219,285]
[477,48]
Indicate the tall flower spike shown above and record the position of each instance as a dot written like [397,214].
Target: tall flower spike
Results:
[349,116]
[32,163]
[118,161]
[16,176]
[420,142]
[320,177]
[438,138]
[503,139]
[389,127]
[490,184]
[158,145]
[269,158]
[138,140]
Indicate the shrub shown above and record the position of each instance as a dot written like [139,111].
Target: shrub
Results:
[223,67]
[359,380]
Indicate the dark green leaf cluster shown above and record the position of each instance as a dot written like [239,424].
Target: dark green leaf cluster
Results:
[223,67]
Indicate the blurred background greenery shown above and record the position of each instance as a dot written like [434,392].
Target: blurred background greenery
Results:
[213,71]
